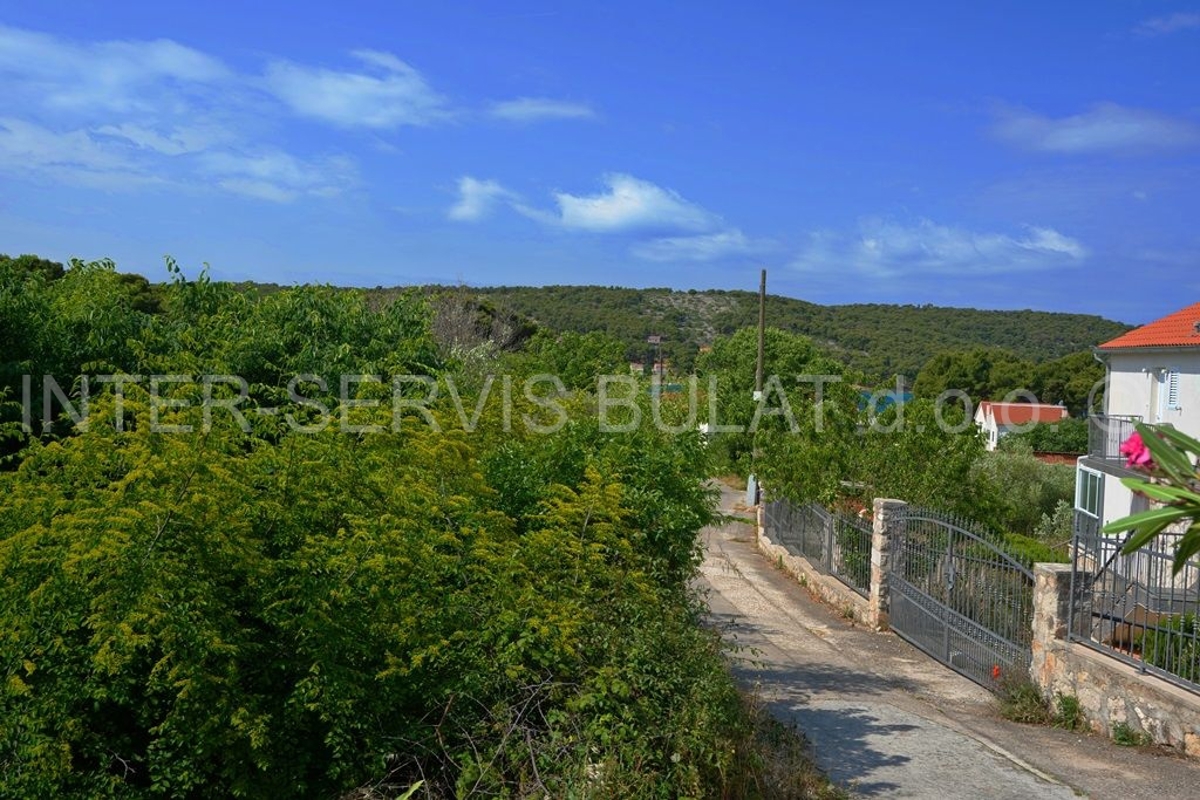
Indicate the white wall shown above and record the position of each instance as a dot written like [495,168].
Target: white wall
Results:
[1131,378]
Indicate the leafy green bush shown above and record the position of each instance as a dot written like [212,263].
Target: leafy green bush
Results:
[1173,644]
[1015,490]
[275,613]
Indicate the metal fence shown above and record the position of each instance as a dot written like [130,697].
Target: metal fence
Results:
[1134,607]
[1106,434]
[834,543]
[960,597]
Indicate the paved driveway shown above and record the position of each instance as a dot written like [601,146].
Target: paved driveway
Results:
[887,721]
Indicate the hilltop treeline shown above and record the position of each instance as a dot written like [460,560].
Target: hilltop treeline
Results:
[879,341]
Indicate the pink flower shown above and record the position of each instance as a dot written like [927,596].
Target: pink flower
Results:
[1136,453]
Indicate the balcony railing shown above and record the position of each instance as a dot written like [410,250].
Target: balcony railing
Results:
[1106,432]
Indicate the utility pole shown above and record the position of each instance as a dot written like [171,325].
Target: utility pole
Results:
[752,488]
[762,334]
[656,340]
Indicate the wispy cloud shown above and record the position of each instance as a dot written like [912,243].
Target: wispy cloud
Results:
[477,199]
[884,249]
[277,176]
[118,75]
[1171,23]
[387,94]
[702,247]
[1105,128]
[629,204]
[72,156]
[535,109]
[170,141]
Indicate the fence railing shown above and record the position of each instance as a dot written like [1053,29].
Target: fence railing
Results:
[834,543]
[959,566]
[1134,607]
[1106,432]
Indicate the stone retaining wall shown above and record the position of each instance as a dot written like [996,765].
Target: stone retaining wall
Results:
[1111,693]
[828,588]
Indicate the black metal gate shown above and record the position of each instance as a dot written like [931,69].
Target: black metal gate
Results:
[960,598]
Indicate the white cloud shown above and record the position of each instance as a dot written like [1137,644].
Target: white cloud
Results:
[533,109]
[703,247]
[1105,128]
[394,95]
[477,199]
[73,157]
[883,249]
[108,114]
[278,176]
[169,142]
[115,75]
[1157,26]
[629,204]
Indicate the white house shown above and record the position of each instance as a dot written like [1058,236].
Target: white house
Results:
[997,420]
[1153,375]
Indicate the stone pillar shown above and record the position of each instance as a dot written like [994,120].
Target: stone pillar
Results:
[887,513]
[1051,607]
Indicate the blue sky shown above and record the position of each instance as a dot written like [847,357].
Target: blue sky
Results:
[1018,155]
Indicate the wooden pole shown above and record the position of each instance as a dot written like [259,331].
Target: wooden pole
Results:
[762,333]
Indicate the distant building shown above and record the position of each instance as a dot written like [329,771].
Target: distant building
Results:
[997,420]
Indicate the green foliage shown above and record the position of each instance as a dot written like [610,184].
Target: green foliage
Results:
[877,340]
[1068,712]
[1173,644]
[1057,528]
[1067,436]
[923,455]
[1021,700]
[1075,380]
[793,368]
[1126,736]
[1029,550]
[1016,490]
[984,373]
[274,612]
[577,359]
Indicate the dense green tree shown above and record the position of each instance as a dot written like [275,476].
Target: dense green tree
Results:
[1015,490]
[983,373]
[34,265]
[1076,381]
[1068,436]
[575,358]
[794,370]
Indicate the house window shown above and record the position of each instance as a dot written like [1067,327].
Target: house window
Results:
[1089,492]
[1171,393]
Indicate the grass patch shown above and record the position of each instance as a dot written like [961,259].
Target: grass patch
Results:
[733,480]
[1068,714]
[774,761]
[1126,736]
[1022,701]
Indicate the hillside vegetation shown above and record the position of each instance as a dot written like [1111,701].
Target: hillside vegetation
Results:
[321,553]
[878,340]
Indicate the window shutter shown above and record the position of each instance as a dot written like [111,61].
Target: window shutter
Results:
[1173,390]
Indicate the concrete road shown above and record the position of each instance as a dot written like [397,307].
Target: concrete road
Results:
[884,719]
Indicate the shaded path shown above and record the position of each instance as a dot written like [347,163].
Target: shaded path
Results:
[887,721]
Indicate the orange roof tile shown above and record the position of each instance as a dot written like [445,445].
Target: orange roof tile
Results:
[1181,329]
[1023,413]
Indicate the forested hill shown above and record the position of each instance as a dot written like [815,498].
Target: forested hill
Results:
[879,340]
